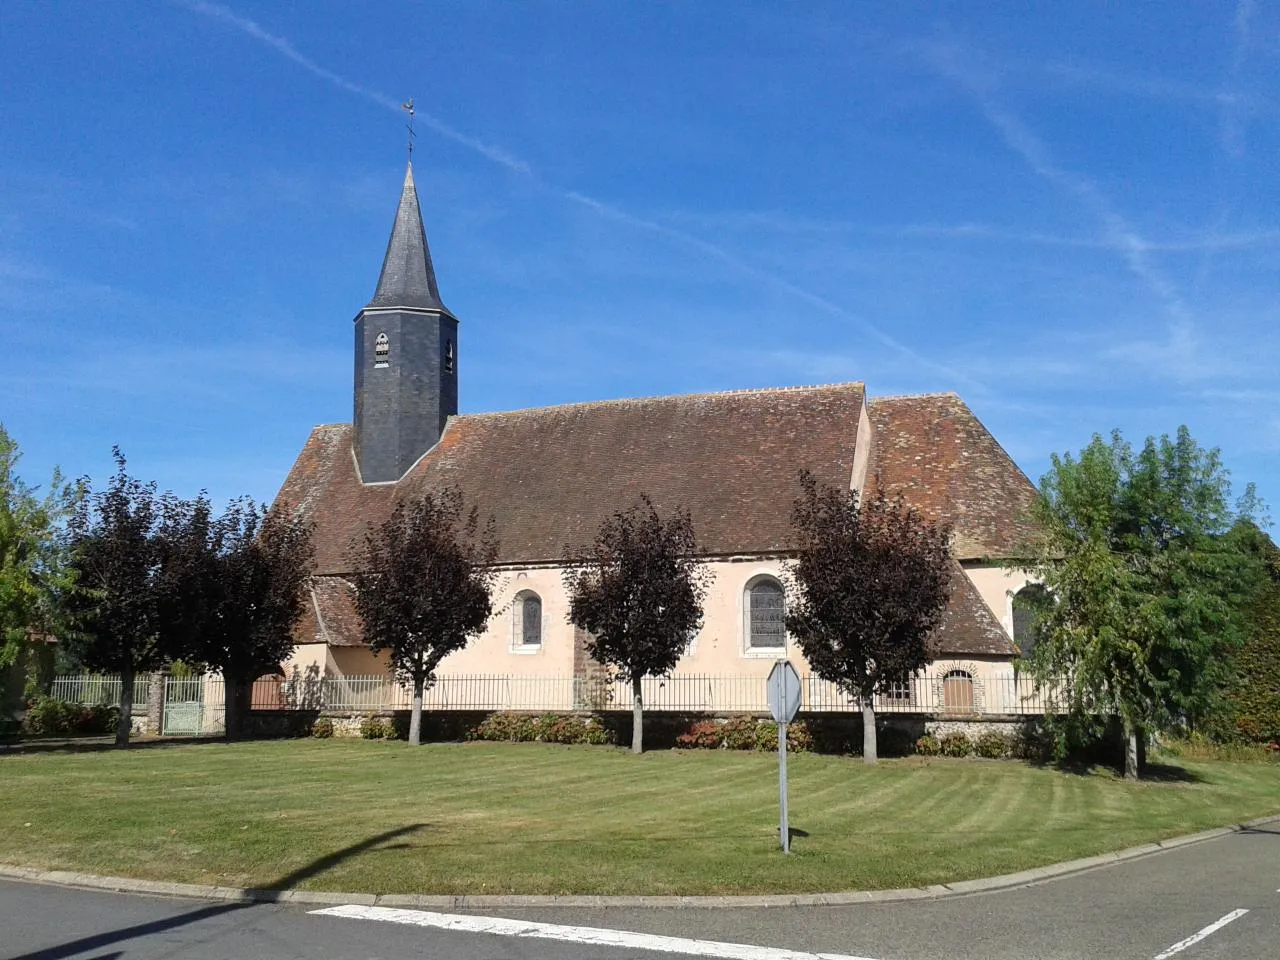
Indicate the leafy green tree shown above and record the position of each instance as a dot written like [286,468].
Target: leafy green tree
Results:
[638,591]
[1147,587]
[34,558]
[425,587]
[117,558]
[1251,698]
[869,584]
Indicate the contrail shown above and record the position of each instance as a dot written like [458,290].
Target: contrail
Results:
[287,50]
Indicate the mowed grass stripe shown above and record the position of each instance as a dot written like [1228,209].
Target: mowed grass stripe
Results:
[532,818]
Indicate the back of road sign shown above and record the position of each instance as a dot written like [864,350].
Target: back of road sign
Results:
[784,691]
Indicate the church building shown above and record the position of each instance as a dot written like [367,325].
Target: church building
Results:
[550,475]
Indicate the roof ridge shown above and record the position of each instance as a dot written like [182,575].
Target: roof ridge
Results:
[914,396]
[667,396]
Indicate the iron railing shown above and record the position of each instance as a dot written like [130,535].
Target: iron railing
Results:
[100,690]
[950,693]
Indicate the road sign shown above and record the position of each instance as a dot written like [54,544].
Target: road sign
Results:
[784,691]
[784,703]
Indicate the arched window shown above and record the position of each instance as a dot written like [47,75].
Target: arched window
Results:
[764,609]
[1028,604]
[448,356]
[381,350]
[957,691]
[527,629]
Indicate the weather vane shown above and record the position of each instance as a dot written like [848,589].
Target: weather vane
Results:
[408,107]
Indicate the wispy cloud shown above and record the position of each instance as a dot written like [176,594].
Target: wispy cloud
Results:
[1233,107]
[285,48]
[1179,352]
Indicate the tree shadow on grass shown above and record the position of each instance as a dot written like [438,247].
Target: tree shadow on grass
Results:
[103,745]
[1169,773]
[257,897]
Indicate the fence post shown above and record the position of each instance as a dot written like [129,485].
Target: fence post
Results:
[155,702]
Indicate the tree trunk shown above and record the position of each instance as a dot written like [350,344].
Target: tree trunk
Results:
[124,726]
[1133,735]
[868,731]
[237,699]
[415,713]
[637,717]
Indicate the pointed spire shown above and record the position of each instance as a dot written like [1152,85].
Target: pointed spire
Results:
[408,279]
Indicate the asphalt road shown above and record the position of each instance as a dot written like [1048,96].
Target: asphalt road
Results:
[1136,910]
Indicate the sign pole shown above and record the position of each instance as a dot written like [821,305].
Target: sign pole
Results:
[783,687]
[784,828]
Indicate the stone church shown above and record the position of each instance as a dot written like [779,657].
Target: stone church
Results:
[550,475]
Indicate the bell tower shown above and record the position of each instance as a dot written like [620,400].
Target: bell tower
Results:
[406,354]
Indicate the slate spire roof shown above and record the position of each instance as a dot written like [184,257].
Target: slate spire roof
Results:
[408,279]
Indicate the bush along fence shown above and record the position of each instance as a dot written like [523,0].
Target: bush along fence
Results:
[193,706]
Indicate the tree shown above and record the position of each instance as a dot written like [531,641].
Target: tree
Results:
[869,584]
[114,606]
[235,589]
[35,571]
[1146,586]
[638,591]
[1251,698]
[425,588]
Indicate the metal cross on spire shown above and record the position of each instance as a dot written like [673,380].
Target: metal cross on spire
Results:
[408,108]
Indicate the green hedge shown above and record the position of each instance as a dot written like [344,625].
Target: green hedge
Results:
[47,717]
[548,728]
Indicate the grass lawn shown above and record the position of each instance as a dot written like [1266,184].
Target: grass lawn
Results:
[532,818]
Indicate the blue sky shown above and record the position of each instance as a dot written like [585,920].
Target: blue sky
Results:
[1069,217]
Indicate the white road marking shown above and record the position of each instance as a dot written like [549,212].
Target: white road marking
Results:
[592,935]
[1200,935]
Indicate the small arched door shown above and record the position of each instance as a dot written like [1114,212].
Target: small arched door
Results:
[957,692]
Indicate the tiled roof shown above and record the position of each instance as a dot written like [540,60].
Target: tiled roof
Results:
[934,451]
[329,615]
[323,487]
[968,627]
[549,476]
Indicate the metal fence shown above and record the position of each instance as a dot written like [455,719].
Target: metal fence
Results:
[194,705]
[100,690]
[941,694]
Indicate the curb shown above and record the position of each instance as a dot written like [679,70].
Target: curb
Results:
[198,891]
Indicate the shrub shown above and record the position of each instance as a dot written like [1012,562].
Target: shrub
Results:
[993,746]
[1031,743]
[701,735]
[511,727]
[548,728]
[928,746]
[375,728]
[49,717]
[799,737]
[98,719]
[322,729]
[740,733]
[955,745]
[744,733]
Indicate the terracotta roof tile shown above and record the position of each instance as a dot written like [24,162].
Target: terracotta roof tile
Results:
[968,627]
[934,451]
[549,476]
